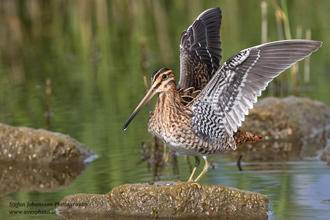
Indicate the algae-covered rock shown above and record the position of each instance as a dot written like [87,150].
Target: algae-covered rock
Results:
[168,199]
[22,144]
[288,118]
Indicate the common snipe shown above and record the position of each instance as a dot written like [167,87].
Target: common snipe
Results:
[221,96]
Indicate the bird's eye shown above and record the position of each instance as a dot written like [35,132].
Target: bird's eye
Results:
[164,76]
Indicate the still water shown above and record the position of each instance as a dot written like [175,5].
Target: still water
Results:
[94,56]
[296,189]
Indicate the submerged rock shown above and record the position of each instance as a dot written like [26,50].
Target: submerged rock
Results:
[288,118]
[22,144]
[168,199]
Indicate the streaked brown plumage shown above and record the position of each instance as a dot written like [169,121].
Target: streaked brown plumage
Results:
[201,116]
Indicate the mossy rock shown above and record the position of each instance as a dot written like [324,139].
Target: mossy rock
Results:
[288,118]
[168,199]
[22,144]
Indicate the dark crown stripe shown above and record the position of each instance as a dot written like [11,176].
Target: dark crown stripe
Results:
[157,73]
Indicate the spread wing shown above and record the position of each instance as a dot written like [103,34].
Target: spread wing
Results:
[200,50]
[223,103]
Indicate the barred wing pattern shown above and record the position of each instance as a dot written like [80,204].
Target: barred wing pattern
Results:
[200,50]
[223,103]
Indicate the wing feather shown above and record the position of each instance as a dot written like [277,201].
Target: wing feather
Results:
[236,86]
[200,50]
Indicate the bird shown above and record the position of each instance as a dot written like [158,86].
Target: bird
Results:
[201,115]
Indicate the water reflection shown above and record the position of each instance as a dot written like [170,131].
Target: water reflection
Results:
[17,177]
[155,155]
[280,151]
[265,155]
[291,178]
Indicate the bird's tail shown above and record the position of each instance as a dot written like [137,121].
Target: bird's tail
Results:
[242,137]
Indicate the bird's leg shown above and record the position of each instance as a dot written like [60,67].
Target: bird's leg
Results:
[166,155]
[205,169]
[197,162]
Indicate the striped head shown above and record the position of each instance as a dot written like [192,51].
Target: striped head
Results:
[161,81]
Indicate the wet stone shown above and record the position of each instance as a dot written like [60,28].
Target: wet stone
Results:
[168,199]
[22,144]
[288,118]
[293,128]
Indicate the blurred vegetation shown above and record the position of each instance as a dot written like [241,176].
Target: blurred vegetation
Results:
[91,51]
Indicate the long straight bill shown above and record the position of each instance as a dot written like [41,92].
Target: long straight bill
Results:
[144,101]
